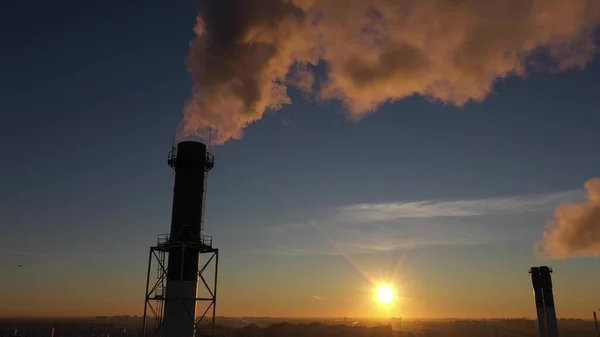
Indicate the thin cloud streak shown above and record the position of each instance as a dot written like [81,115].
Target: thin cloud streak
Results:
[395,244]
[375,228]
[351,241]
[286,227]
[286,250]
[374,212]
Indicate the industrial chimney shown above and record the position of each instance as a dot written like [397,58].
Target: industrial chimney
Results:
[596,323]
[539,300]
[544,301]
[551,322]
[174,303]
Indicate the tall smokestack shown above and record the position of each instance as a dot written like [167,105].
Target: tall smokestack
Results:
[190,162]
[539,300]
[551,322]
[596,323]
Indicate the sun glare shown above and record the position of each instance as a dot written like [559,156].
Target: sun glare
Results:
[385,294]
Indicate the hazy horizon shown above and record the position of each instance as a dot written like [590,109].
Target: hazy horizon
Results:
[303,318]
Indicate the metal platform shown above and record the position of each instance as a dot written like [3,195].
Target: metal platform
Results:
[174,161]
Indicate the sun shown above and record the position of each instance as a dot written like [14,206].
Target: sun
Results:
[385,294]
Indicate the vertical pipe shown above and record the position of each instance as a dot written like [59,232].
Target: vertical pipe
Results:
[539,300]
[551,321]
[596,324]
[146,293]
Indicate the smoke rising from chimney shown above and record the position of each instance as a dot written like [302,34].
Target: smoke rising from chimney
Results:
[248,52]
[575,229]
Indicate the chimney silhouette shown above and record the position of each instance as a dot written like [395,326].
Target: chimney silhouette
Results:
[596,323]
[551,322]
[190,163]
[539,300]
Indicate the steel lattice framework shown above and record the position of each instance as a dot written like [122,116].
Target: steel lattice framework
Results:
[155,290]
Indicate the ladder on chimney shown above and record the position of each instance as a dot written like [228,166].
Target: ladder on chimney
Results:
[203,201]
[160,286]
[205,184]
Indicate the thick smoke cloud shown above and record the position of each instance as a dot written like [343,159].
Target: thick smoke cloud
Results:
[248,52]
[575,229]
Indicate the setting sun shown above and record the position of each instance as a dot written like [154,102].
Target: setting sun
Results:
[385,293]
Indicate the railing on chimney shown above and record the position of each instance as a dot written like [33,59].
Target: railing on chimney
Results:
[205,240]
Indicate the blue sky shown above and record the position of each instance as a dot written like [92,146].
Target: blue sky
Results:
[91,98]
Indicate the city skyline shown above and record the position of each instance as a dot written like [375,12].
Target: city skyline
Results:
[309,208]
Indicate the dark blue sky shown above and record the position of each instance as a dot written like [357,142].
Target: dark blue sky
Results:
[91,95]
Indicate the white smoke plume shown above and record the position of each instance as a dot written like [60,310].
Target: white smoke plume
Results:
[575,229]
[247,52]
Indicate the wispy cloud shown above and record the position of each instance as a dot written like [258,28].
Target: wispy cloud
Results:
[286,227]
[318,298]
[373,212]
[287,250]
[368,228]
[397,242]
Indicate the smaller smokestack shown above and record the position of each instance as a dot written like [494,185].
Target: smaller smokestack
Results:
[551,322]
[539,300]
[596,323]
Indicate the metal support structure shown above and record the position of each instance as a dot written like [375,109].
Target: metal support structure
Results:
[155,298]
